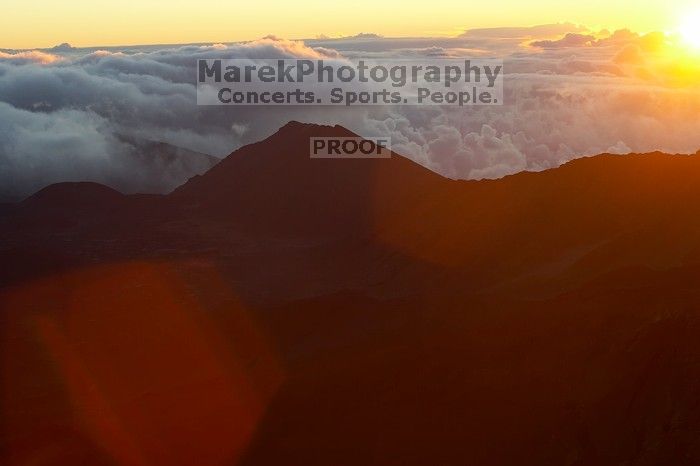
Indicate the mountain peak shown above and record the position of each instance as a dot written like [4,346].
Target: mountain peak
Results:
[296,129]
[277,182]
[295,125]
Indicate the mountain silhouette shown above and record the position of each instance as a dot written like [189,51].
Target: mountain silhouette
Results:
[140,165]
[301,194]
[280,309]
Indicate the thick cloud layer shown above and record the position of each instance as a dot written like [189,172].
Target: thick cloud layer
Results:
[570,92]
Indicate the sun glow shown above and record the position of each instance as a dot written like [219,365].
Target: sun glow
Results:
[690,28]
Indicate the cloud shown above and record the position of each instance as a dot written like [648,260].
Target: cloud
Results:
[64,47]
[29,57]
[40,148]
[651,42]
[71,145]
[532,32]
[571,39]
[64,112]
[629,54]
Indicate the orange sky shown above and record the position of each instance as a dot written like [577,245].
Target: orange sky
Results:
[45,23]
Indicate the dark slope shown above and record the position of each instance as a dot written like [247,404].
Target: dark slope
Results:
[284,310]
[274,187]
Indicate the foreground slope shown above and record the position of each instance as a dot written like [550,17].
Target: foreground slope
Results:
[284,310]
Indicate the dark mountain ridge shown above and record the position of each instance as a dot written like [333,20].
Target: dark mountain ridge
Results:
[568,224]
[286,310]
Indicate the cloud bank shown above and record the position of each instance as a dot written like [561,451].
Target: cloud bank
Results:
[71,114]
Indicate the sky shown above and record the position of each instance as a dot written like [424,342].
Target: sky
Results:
[83,23]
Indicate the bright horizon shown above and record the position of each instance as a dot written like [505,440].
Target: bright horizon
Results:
[46,23]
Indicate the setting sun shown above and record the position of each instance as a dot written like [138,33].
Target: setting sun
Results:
[690,28]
